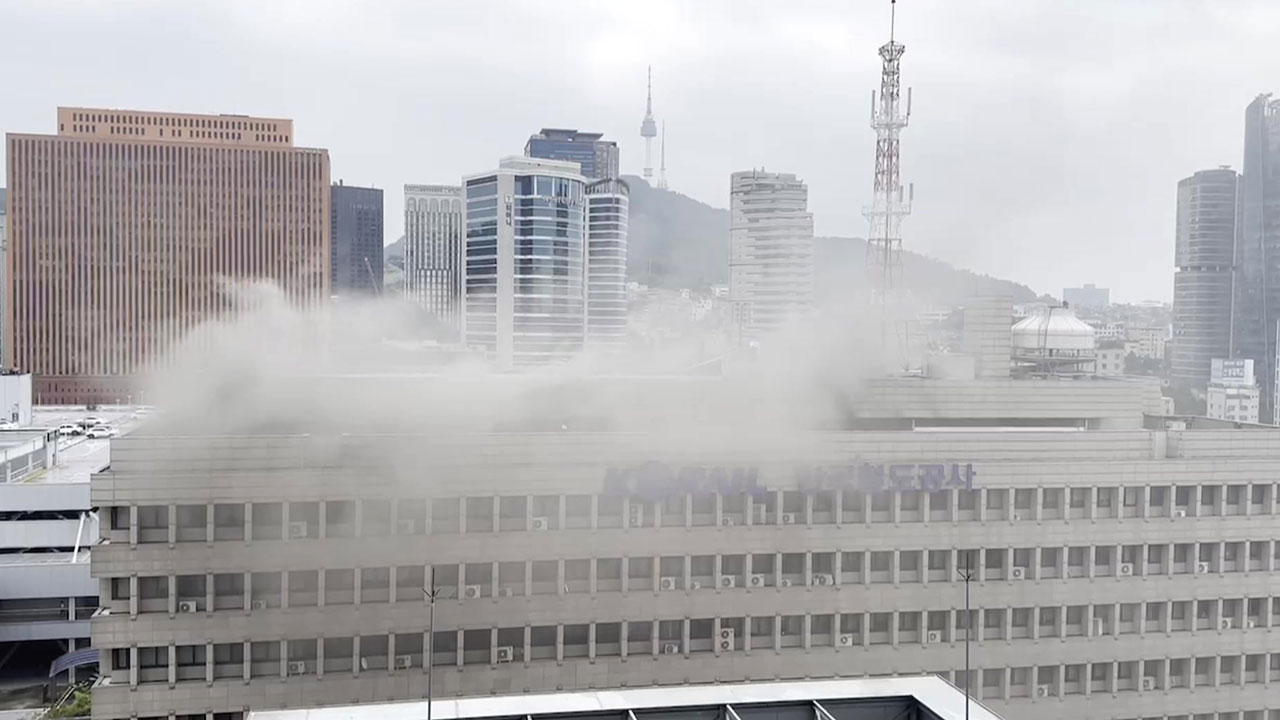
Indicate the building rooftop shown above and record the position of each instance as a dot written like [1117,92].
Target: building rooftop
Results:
[922,698]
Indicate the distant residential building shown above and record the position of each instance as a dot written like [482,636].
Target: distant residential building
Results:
[355,245]
[1256,297]
[433,251]
[1146,342]
[1203,256]
[1089,296]
[597,159]
[526,236]
[1109,357]
[112,265]
[608,203]
[1233,391]
[1109,330]
[771,274]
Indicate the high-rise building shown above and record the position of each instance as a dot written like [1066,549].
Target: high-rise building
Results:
[433,251]
[1205,245]
[608,204]
[526,229]
[4,278]
[770,249]
[355,245]
[1257,276]
[128,228]
[1089,296]
[597,158]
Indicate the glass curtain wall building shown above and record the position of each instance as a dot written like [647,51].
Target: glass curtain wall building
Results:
[607,209]
[525,252]
[433,251]
[598,158]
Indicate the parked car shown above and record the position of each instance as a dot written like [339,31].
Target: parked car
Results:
[92,421]
[70,429]
[101,431]
[8,425]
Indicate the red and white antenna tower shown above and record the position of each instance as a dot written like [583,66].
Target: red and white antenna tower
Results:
[888,206]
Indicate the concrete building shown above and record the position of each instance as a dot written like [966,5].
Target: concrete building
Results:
[597,158]
[355,240]
[1088,297]
[1233,391]
[1203,255]
[1257,276]
[526,237]
[608,209]
[46,529]
[1110,356]
[113,264]
[594,533]
[925,698]
[433,251]
[771,274]
[1146,342]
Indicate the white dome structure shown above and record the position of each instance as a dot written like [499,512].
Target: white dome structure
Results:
[1053,342]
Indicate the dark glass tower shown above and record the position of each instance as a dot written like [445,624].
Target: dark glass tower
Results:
[355,247]
[1206,233]
[598,158]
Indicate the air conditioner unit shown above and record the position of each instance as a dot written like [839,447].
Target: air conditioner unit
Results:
[364,663]
[726,633]
[1126,569]
[258,605]
[824,579]
[1016,517]
[404,662]
[1017,573]
[471,592]
[407,526]
[1224,624]
[726,646]
[671,648]
[1098,628]
[728,581]
[785,582]
[667,583]
[1202,568]
[636,516]
[298,529]
[756,581]
[297,668]
[508,592]
[1179,513]
[1148,683]
[188,606]
[728,521]
[505,653]
[695,585]
[788,519]
[1251,624]
[540,523]
[846,640]
[1043,691]
[933,636]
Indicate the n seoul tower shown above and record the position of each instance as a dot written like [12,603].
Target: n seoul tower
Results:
[648,129]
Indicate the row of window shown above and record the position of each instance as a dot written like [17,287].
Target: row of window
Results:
[167,121]
[520,513]
[674,638]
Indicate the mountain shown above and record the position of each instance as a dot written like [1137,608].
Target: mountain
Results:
[678,242]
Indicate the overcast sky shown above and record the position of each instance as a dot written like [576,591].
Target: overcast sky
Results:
[1045,142]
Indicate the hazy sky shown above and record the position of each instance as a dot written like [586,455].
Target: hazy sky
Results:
[1045,143]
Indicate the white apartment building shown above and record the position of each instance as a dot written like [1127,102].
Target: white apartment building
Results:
[1110,359]
[666,532]
[526,239]
[771,275]
[1233,392]
[433,252]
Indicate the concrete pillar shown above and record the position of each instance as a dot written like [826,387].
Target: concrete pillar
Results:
[460,649]
[562,510]
[626,574]
[208,592]
[208,524]
[624,638]
[355,656]
[777,634]
[808,632]
[591,640]
[528,644]
[173,525]
[595,512]
[208,663]
[248,523]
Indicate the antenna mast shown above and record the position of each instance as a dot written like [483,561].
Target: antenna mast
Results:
[888,205]
[648,129]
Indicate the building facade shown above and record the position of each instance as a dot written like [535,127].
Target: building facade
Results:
[771,275]
[597,158]
[355,244]
[1257,277]
[1088,297]
[129,228]
[1116,571]
[526,237]
[433,251]
[1233,391]
[608,208]
[1202,286]
[4,276]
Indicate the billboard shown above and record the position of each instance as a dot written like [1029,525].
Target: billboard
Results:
[1237,372]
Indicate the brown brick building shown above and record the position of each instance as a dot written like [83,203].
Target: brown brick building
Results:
[125,227]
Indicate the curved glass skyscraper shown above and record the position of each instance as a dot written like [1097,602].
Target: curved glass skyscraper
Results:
[607,210]
[525,253]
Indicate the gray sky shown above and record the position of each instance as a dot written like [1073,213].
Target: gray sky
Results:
[1045,144]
